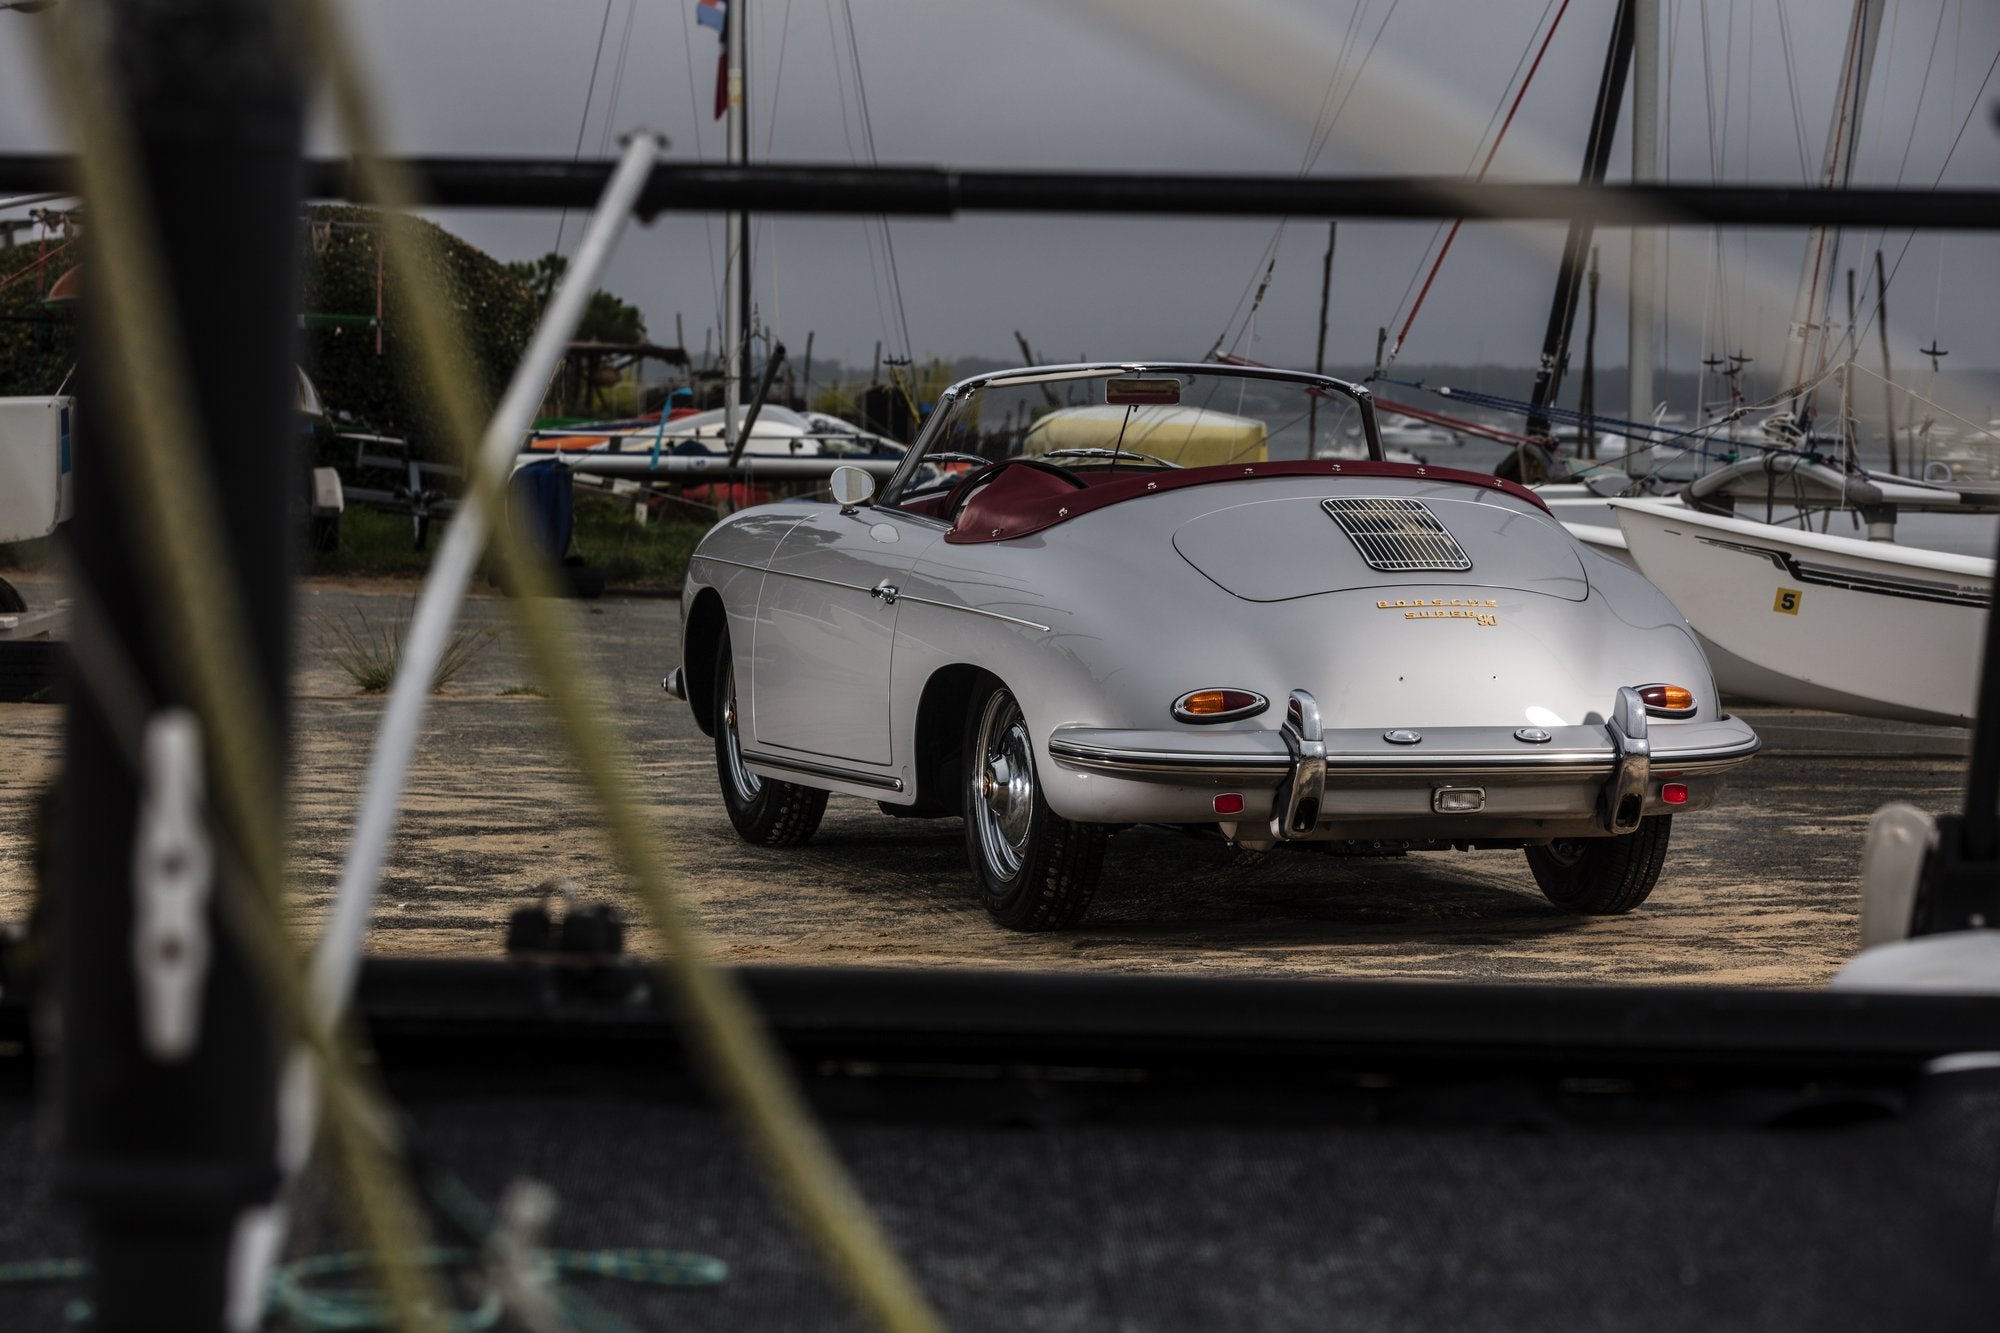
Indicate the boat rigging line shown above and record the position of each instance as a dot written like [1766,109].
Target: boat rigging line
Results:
[1452,235]
[1316,142]
[1438,230]
[583,121]
[1971,110]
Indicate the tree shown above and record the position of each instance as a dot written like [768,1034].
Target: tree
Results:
[605,318]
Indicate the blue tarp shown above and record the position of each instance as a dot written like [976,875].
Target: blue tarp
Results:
[541,502]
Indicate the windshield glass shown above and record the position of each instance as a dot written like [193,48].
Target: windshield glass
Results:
[1118,418]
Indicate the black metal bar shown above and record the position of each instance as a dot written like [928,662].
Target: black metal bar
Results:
[1596,157]
[1981,829]
[536,183]
[431,1011]
[771,364]
[163,1150]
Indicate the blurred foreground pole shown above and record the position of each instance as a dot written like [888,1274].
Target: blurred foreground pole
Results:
[169,1049]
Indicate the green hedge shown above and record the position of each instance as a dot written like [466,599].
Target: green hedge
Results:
[338,247]
[37,343]
[495,307]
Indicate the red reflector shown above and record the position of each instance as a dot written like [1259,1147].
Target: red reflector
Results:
[1674,793]
[1231,803]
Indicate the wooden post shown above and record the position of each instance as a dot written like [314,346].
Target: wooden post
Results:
[1847,431]
[1888,385]
[1586,398]
[1319,351]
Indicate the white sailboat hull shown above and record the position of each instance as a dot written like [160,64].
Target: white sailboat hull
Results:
[1819,621]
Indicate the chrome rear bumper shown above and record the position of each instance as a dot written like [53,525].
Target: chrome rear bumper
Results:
[1593,777]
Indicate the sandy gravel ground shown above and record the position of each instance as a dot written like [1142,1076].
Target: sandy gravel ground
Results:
[1761,891]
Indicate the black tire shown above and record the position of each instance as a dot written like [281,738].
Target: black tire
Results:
[11,601]
[765,811]
[1035,869]
[1603,876]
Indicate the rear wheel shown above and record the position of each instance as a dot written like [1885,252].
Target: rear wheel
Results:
[1603,876]
[765,811]
[1036,870]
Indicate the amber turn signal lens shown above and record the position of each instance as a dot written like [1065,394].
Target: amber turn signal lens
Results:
[1218,705]
[1671,700]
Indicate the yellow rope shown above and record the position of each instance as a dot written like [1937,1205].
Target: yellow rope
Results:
[723,1026]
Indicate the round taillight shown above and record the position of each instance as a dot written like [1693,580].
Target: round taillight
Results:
[1668,700]
[1217,704]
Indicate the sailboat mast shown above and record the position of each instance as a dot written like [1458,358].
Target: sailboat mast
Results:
[736,292]
[1645,154]
[1596,157]
[1805,339]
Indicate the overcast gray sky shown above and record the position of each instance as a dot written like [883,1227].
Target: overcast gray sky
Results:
[1027,83]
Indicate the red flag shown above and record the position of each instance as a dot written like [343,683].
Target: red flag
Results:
[715,14]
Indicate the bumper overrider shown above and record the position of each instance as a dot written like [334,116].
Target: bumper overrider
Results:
[1443,784]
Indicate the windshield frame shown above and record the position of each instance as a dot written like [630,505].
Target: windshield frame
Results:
[954,397]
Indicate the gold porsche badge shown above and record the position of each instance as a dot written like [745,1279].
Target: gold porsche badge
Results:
[1476,609]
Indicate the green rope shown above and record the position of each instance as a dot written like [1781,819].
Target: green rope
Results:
[335,1310]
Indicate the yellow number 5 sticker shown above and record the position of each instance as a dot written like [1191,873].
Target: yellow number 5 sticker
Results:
[1788,601]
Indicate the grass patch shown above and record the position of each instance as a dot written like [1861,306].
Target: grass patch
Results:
[642,554]
[29,555]
[376,543]
[370,651]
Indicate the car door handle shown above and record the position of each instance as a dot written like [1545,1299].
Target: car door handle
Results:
[887,591]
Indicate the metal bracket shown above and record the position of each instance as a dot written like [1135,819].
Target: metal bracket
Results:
[173,866]
[1625,794]
[1299,797]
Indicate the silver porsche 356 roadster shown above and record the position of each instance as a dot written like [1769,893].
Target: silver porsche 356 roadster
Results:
[1101,595]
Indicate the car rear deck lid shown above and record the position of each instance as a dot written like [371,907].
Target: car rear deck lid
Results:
[1275,550]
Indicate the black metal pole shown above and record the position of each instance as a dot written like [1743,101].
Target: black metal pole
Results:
[1596,157]
[163,1153]
[483,182]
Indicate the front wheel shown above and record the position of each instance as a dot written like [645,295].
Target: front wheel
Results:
[765,811]
[1603,876]
[1036,870]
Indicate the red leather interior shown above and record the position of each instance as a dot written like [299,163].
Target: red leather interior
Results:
[1014,498]
[1020,501]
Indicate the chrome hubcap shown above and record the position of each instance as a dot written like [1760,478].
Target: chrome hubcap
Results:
[1004,785]
[747,784]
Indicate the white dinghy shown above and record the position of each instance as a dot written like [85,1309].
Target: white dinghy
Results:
[1818,621]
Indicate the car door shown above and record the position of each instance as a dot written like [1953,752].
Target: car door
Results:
[819,674]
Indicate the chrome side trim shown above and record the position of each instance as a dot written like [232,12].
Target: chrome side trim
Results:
[733,564]
[900,596]
[877,780]
[974,611]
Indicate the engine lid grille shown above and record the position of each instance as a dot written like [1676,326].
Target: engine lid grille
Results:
[1396,534]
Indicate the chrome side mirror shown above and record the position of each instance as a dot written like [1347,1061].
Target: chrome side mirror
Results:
[851,487]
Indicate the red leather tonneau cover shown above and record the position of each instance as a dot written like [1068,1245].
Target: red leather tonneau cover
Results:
[1013,506]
